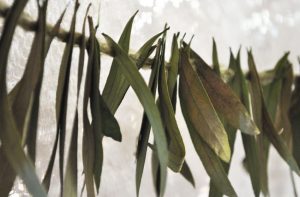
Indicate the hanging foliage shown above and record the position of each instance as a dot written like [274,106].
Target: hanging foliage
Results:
[263,106]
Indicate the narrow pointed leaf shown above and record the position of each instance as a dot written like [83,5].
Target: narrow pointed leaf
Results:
[223,98]
[136,81]
[61,105]
[88,141]
[210,160]
[176,146]
[215,60]
[294,114]
[22,98]
[122,84]
[200,110]
[145,127]
[70,181]
[267,125]
[114,90]
[97,115]
[231,133]
[173,66]
[9,134]
[187,173]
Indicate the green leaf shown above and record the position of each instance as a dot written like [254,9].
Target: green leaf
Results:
[22,100]
[173,66]
[200,110]
[61,105]
[252,160]
[88,141]
[215,60]
[95,106]
[145,127]
[210,160]
[134,78]
[114,90]
[224,100]
[175,142]
[111,127]
[282,120]
[156,174]
[9,135]
[70,182]
[187,173]
[262,117]
[231,133]
[294,114]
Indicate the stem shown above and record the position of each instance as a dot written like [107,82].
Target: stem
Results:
[28,24]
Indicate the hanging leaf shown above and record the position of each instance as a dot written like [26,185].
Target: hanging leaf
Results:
[134,78]
[252,160]
[114,87]
[294,114]
[282,118]
[260,109]
[70,181]
[146,127]
[10,135]
[231,132]
[176,146]
[97,115]
[22,99]
[223,98]
[61,105]
[200,110]
[215,60]
[172,71]
[120,87]
[187,174]
[210,160]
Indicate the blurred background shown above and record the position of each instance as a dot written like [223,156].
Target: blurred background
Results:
[270,28]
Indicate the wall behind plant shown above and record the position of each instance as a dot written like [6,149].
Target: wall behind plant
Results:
[269,27]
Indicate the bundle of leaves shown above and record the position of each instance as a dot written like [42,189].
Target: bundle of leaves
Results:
[264,107]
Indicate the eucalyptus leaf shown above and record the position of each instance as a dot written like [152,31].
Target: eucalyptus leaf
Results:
[143,53]
[145,126]
[95,106]
[210,160]
[136,81]
[266,122]
[215,60]
[114,89]
[231,132]
[176,146]
[70,181]
[252,160]
[61,105]
[294,114]
[224,100]
[200,110]
[10,135]
[187,173]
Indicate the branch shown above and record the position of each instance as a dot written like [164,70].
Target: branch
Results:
[28,24]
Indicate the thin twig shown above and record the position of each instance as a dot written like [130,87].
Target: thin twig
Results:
[28,24]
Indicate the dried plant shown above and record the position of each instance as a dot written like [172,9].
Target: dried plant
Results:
[265,107]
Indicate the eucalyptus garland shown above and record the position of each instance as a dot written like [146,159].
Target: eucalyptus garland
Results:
[264,107]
